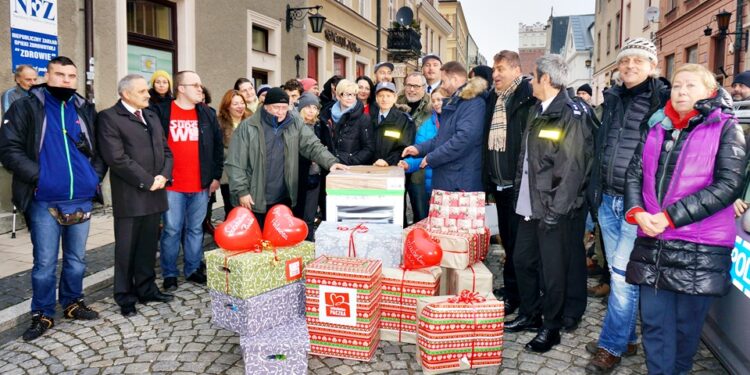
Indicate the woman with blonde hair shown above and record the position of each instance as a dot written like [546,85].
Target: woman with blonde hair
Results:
[232,110]
[681,183]
[161,87]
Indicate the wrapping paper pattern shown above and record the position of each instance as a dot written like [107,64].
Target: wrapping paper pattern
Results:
[360,240]
[457,211]
[281,350]
[460,249]
[454,335]
[249,317]
[475,278]
[401,289]
[248,274]
[359,341]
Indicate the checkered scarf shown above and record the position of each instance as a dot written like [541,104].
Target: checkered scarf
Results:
[499,125]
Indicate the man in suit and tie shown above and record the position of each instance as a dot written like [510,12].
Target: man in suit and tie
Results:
[135,148]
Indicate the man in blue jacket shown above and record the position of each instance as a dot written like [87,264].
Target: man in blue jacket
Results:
[455,154]
[47,140]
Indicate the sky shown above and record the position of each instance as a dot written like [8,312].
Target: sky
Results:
[494,23]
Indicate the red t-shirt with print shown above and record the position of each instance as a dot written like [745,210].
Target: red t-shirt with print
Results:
[183,141]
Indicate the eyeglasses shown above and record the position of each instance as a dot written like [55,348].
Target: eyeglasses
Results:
[413,86]
[348,95]
[193,85]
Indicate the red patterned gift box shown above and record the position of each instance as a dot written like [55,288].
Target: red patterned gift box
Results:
[459,332]
[457,211]
[460,249]
[343,306]
[401,289]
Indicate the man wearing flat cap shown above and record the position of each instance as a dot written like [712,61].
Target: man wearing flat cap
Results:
[384,72]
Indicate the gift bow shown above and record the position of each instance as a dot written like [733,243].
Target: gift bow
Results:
[467,297]
[360,228]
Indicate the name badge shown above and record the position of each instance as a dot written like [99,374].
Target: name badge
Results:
[392,134]
[553,135]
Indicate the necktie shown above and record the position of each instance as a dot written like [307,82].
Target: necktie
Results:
[429,89]
[139,116]
[382,118]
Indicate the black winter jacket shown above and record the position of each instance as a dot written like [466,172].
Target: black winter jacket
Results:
[393,135]
[517,111]
[351,140]
[211,139]
[21,139]
[682,266]
[560,147]
[621,130]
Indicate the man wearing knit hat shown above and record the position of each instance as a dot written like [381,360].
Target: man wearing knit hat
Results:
[627,107]
[310,85]
[741,86]
[585,92]
[263,157]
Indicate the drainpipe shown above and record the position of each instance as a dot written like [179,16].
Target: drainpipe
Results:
[88,11]
[738,40]
[377,33]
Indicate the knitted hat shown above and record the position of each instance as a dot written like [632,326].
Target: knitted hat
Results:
[161,73]
[743,78]
[262,89]
[275,96]
[307,83]
[308,99]
[638,47]
[585,87]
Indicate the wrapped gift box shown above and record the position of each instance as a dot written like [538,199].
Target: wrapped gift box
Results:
[247,274]
[457,211]
[401,289]
[343,307]
[280,350]
[368,206]
[366,177]
[249,317]
[459,332]
[360,240]
[475,278]
[460,249]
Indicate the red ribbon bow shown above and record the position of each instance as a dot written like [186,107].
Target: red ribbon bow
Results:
[468,297]
[360,228]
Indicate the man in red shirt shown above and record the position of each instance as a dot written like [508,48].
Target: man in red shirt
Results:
[194,137]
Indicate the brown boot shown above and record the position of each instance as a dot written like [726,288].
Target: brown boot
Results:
[599,291]
[602,363]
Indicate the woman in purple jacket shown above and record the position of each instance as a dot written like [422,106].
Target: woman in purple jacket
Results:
[680,186]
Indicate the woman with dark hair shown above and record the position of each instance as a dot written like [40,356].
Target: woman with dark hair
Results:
[161,87]
[366,93]
[247,89]
[231,113]
[328,95]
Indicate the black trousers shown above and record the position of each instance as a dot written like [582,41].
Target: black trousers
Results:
[136,240]
[543,262]
[508,221]
[225,195]
[576,294]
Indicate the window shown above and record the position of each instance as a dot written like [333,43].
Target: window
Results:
[152,37]
[361,69]
[312,61]
[365,9]
[691,54]
[260,77]
[617,31]
[150,19]
[260,39]
[339,65]
[669,66]
[609,36]
[671,5]
[598,45]
[626,21]
[391,11]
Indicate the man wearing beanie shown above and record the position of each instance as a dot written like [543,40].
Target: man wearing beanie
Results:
[584,92]
[310,85]
[627,108]
[263,157]
[741,86]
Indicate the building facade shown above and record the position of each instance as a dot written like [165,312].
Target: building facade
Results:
[532,44]
[435,28]
[578,49]
[457,48]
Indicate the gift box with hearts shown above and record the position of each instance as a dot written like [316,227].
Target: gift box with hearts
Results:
[360,240]
[343,306]
[457,333]
[255,314]
[282,349]
[401,289]
[456,211]
[460,249]
[246,274]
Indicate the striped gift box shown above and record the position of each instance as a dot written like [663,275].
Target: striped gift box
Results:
[401,289]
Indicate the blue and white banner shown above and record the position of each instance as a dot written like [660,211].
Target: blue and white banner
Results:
[741,265]
[33,32]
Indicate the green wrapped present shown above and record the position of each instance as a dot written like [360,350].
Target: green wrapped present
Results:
[247,274]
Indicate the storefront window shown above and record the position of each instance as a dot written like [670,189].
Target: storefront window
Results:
[339,65]
[360,69]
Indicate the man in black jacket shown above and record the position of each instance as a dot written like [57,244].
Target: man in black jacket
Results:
[133,145]
[48,141]
[551,178]
[508,107]
[195,139]
[394,129]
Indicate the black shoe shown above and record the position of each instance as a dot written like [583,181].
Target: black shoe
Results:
[510,307]
[524,323]
[202,267]
[39,325]
[79,310]
[128,311]
[197,277]
[499,293]
[170,284]
[570,324]
[544,340]
[157,297]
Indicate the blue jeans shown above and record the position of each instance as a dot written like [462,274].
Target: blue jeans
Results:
[45,236]
[186,212]
[622,309]
[672,324]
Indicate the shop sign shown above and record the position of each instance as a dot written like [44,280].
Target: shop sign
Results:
[341,41]
[33,33]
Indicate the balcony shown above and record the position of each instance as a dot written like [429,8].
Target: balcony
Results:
[404,43]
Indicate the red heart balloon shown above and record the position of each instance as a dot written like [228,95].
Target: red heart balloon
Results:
[421,250]
[282,228]
[240,231]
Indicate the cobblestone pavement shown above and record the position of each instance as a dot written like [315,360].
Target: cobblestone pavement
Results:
[178,338]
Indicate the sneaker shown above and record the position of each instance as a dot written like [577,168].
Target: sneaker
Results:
[79,310]
[197,277]
[599,291]
[39,325]
[170,284]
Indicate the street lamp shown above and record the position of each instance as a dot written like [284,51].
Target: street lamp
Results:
[295,14]
[722,21]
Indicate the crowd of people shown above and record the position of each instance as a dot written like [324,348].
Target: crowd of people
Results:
[656,171]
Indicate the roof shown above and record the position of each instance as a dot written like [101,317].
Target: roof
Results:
[559,33]
[579,26]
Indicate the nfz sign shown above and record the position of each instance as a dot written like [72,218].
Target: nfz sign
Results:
[741,266]
[33,32]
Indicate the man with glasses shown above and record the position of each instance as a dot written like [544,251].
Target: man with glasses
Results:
[263,157]
[47,140]
[194,136]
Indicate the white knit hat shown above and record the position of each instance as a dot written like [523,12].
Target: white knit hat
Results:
[638,47]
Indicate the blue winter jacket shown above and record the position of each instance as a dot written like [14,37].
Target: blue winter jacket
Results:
[427,131]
